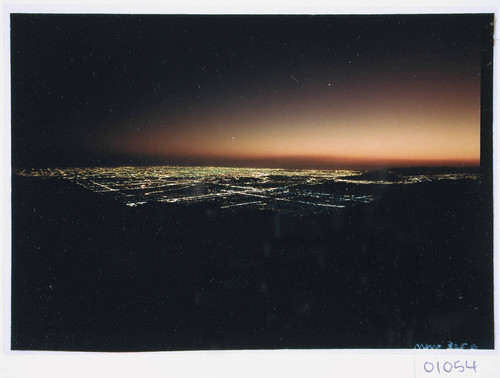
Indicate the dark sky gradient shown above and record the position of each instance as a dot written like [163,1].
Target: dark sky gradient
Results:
[277,91]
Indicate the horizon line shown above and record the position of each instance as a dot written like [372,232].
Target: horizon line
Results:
[166,164]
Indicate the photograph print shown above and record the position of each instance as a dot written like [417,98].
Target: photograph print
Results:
[229,182]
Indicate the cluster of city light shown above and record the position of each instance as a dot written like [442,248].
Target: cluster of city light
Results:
[298,191]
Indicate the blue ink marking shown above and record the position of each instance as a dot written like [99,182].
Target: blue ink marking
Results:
[450,345]
[428,346]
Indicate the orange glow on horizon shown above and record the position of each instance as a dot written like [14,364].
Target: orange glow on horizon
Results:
[375,124]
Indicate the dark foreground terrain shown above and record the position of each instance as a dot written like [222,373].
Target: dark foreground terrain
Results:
[413,266]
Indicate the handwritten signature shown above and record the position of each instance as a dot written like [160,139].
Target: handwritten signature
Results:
[450,345]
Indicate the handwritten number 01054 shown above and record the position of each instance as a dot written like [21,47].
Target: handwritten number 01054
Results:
[448,367]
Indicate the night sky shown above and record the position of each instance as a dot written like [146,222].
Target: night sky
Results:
[267,91]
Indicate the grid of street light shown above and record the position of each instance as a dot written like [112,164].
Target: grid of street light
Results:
[297,191]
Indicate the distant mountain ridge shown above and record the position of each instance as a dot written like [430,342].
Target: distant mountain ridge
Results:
[396,174]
